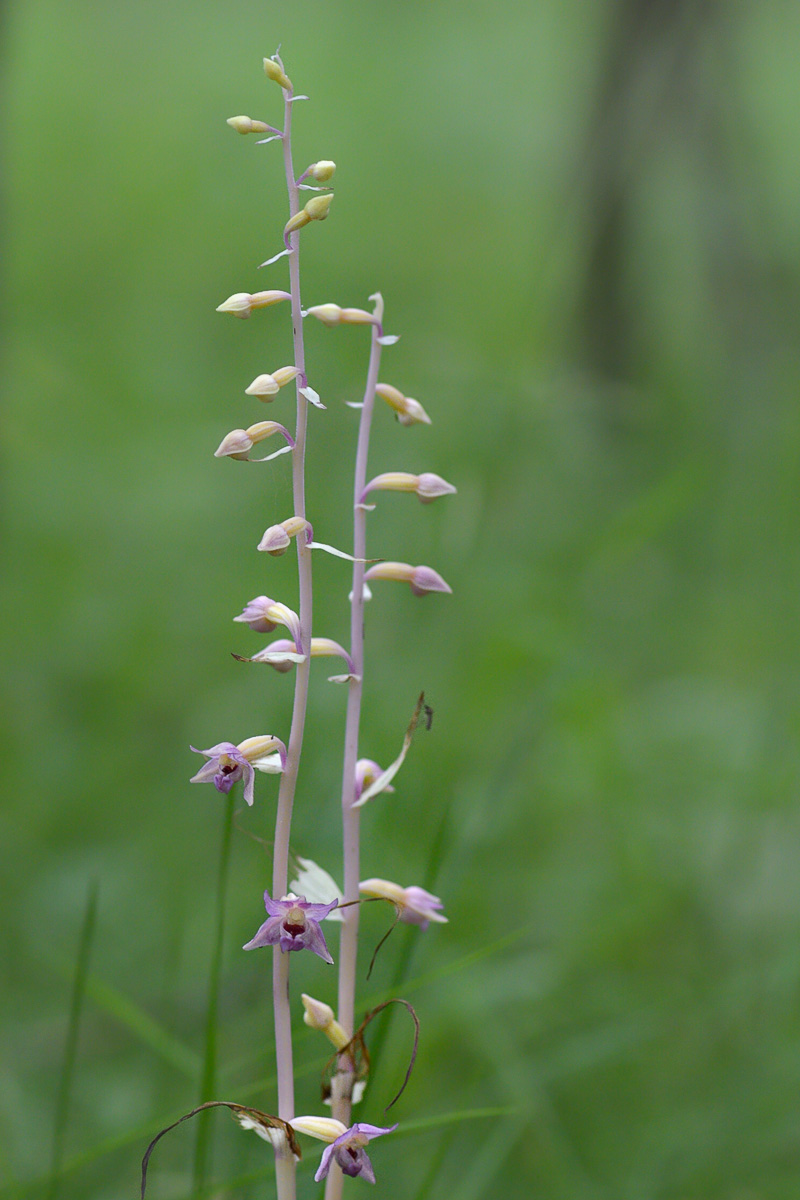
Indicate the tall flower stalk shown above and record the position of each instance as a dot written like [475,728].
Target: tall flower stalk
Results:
[294,921]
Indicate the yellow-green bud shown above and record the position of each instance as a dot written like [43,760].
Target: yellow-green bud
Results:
[247,125]
[276,73]
[318,207]
[322,171]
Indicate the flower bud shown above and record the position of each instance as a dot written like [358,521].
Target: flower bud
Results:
[276,73]
[277,538]
[238,443]
[235,444]
[246,125]
[263,386]
[241,304]
[318,207]
[427,486]
[320,1016]
[329,314]
[275,541]
[417,907]
[420,579]
[322,171]
[409,412]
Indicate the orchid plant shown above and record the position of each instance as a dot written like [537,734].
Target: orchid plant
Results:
[298,908]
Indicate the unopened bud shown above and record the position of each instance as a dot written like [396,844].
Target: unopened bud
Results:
[320,1016]
[322,171]
[329,314]
[235,444]
[427,486]
[421,580]
[247,125]
[277,538]
[263,386]
[275,541]
[241,304]
[332,314]
[276,73]
[409,411]
[318,207]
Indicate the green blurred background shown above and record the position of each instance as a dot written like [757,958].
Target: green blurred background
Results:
[583,215]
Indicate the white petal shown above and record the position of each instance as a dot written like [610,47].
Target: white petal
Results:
[277,454]
[388,775]
[275,258]
[278,656]
[263,141]
[317,886]
[389,339]
[311,396]
[354,403]
[367,593]
[270,764]
[344,678]
[338,553]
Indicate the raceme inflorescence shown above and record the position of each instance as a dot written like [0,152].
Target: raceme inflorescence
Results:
[304,910]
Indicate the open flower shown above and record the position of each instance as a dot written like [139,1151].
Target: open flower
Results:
[417,907]
[293,925]
[348,1151]
[227,763]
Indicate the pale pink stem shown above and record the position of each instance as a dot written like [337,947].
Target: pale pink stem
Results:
[348,944]
[285,1166]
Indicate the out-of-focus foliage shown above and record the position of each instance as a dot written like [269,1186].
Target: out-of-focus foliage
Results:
[583,217]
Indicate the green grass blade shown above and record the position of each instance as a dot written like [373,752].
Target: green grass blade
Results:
[71,1047]
[208,1082]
